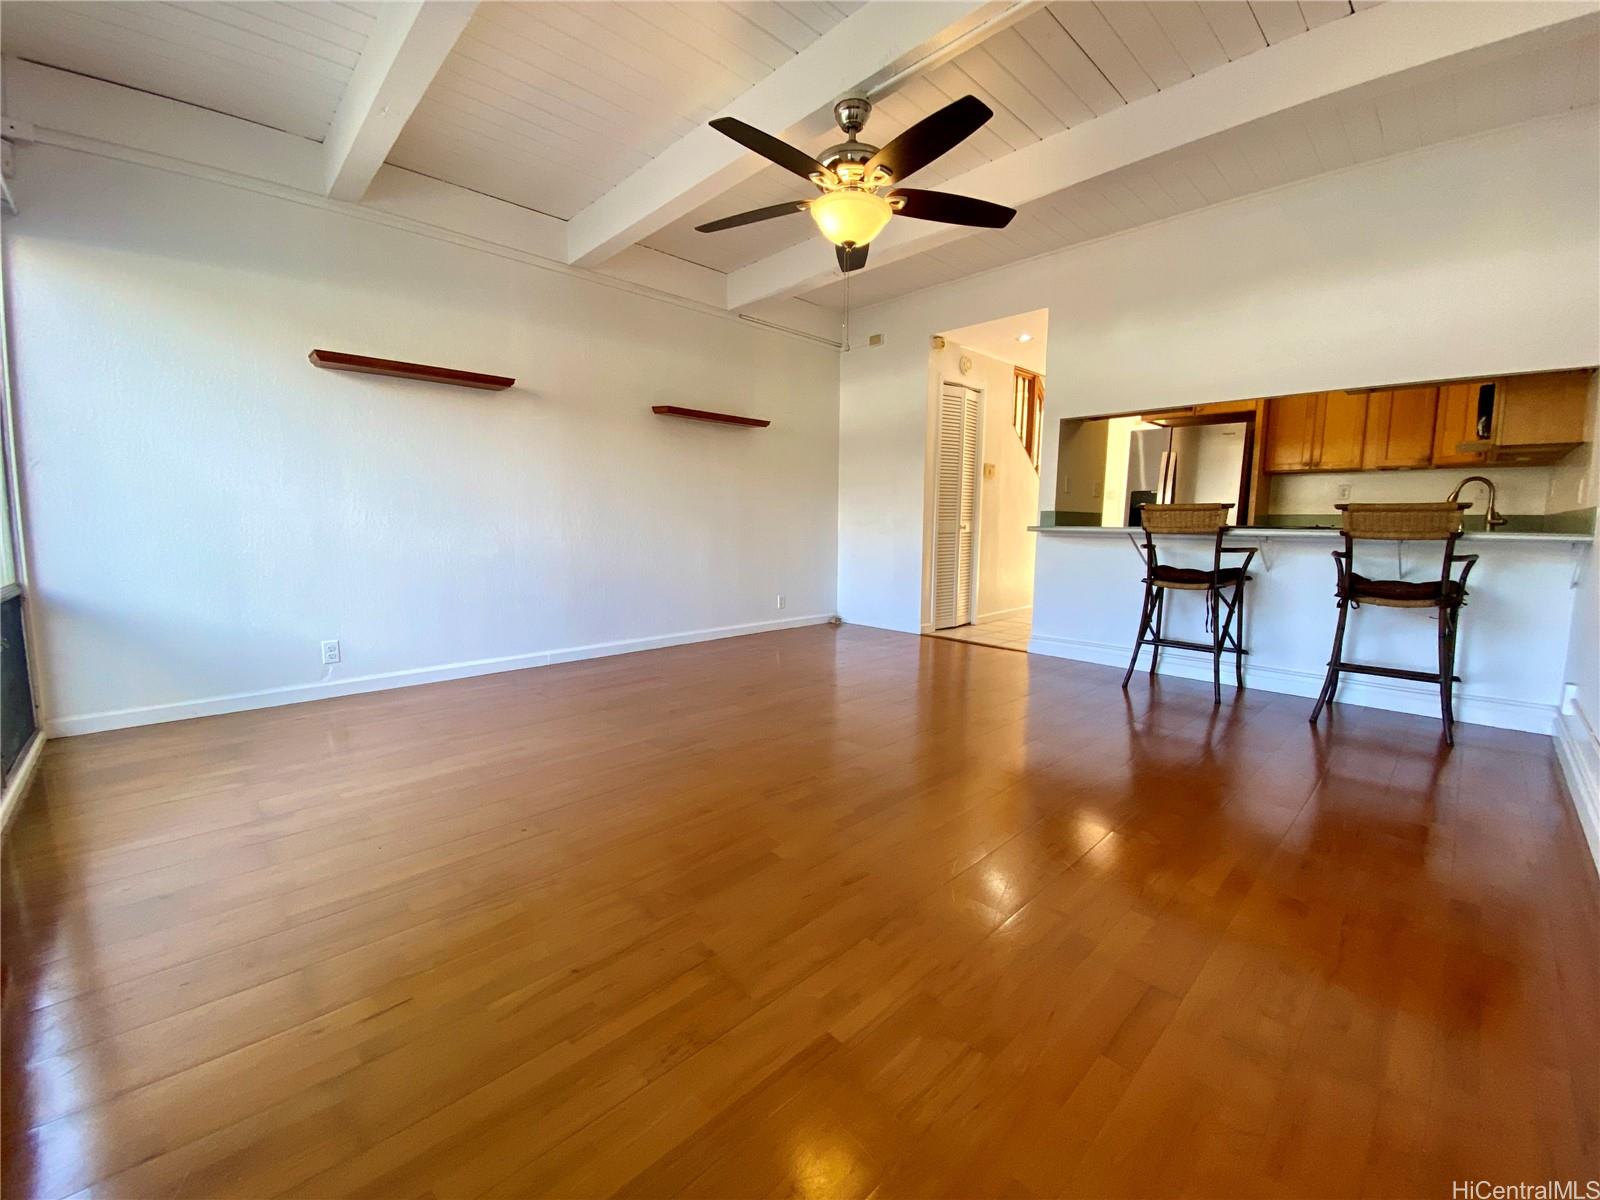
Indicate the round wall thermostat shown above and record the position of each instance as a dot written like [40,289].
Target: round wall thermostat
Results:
[965,364]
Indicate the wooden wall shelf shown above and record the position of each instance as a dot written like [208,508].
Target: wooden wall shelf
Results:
[335,360]
[700,414]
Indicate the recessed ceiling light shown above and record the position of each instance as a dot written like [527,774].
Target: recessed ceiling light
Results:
[1024,337]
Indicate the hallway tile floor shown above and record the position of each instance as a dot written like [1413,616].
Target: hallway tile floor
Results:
[1008,631]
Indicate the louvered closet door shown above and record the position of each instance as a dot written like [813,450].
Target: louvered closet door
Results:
[955,499]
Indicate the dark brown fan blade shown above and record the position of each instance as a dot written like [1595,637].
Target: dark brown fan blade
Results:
[769,147]
[751,217]
[930,137]
[952,210]
[852,258]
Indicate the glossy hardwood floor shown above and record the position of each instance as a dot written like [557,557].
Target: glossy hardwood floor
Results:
[821,913]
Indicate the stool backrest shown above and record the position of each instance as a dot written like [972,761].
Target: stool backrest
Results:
[1184,518]
[1209,519]
[1440,522]
[1403,522]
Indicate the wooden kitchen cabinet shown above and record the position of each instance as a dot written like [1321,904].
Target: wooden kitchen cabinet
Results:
[1227,406]
[1317,431]
[1341,431]
[1198,414]
[1291,432]
[1400,426]
[1521,420]
[1456,422]
[1540,413]
[1168,416]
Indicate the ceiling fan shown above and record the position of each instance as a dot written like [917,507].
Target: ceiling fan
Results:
[859,183]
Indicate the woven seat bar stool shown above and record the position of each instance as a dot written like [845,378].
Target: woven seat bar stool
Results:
[1223,588]
[1445,595]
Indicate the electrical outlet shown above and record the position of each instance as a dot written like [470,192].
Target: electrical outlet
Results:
[330,653]
[1342,492]
[781,600]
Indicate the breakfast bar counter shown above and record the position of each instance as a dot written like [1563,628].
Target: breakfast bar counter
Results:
[1514,629]
[1291,533]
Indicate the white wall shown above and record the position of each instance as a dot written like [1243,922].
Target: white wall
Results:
[1475,257]
[1521,490]
[999,338]
[1577,485]
[203,507]
[1008,503]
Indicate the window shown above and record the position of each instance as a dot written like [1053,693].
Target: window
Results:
[1027,414]
[17,722]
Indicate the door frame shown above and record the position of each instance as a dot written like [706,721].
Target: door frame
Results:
[930,503]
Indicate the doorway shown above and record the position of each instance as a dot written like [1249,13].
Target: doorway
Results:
[984,453]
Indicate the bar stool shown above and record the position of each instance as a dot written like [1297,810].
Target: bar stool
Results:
[1445,595]
[1223,588]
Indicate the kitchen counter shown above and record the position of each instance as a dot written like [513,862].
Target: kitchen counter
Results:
[1514,630]
[1278,533]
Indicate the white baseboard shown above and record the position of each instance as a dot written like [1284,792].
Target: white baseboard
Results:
[211,706]
[1399,695]
[1578,749]
[21,776]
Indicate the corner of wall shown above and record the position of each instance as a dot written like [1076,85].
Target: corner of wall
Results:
[1578,749]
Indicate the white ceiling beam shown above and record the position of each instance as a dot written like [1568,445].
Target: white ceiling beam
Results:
[405,51]
[866,51]
[77,111]
[1365,48]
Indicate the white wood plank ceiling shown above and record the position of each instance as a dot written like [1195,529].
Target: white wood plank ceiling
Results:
[1063,65]
[275,63]
[550,105]
[1367,124]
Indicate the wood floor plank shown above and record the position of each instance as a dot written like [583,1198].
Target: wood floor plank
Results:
[825,912]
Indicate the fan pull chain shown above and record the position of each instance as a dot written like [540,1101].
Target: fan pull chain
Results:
[846,345]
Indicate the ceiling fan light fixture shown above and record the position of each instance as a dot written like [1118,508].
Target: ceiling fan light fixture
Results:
[850,216]
[860,183]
